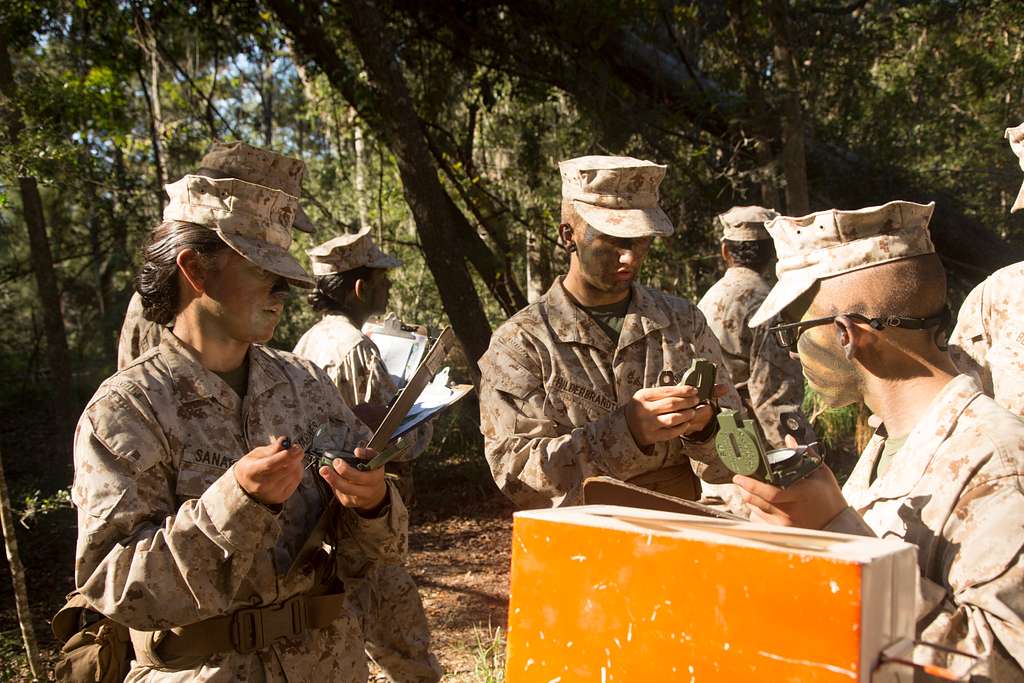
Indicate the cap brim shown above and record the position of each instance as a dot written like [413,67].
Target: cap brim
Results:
[786,291]
[302,222]
[269,257]
[627,223]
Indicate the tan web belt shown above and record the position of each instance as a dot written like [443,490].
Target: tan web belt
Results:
[252,628]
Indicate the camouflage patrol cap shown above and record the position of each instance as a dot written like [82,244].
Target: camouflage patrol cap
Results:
[260,167]
[254,220]
[616,195]
[346,252]
[745,223]
[829,243]
[1016,138]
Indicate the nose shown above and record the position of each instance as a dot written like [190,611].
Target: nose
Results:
[627,257]
[794,355]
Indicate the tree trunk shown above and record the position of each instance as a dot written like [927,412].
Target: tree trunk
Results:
[159,177]
[267,97]
[538,265]
[359,149]
[794,161]
[28,633]
[392,114]
[494,266]
[42,260]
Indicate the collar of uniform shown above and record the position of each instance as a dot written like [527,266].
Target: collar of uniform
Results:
[264,371]
[194,382]
[570,323]
[909,465]
[191,381]
[742,273]
[643,317]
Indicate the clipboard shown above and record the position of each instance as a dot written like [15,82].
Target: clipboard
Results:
[429,366]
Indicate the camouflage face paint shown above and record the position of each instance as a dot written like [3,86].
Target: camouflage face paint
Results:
[610,264]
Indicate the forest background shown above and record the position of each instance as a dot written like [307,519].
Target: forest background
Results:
[440,124]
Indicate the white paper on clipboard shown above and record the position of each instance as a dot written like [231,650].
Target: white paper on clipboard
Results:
[436,397]
[400,350]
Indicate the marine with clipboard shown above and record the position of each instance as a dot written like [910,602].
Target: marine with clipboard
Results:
[351,285]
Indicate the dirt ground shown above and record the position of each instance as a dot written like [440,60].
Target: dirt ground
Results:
[459,546]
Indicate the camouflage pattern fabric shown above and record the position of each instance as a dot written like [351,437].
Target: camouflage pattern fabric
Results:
[167,537]
[553,387]
[988,341]
[768,379]
[353,363]
[616,195]
[138,335]
[394,623]
[254,220]
[347,252]
[260,166]
[745,223]
[954,491]
[833,242]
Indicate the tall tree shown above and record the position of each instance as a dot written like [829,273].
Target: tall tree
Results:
[787,78]
[39,247]
[389,106]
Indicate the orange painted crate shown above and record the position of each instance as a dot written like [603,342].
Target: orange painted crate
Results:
[603,593]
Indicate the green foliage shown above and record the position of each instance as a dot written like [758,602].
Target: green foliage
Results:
[35,504]
[12,653]
[488,650]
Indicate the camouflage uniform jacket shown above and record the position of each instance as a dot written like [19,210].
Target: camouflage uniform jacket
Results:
[138,335]
[353,363]
[768,379]
[553,390]
[954,491]
[988,341]
[167,537]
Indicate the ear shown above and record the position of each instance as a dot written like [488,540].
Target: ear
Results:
[192,269]
[850,336]
[359,289]
[726,254]
[566,237]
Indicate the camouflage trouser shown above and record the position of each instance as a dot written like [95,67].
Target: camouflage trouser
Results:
[394,624]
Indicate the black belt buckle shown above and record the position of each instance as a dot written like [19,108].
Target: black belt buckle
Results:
[247,630]
[253,628]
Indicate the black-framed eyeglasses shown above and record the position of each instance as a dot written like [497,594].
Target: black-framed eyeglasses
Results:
[787,335]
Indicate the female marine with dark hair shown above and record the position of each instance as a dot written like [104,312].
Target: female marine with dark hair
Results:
[201,527]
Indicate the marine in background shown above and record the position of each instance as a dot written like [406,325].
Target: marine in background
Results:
[768,379]
[570,384]
[352,284]
[988,341]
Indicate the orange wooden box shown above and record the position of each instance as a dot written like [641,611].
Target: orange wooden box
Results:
[604,593]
